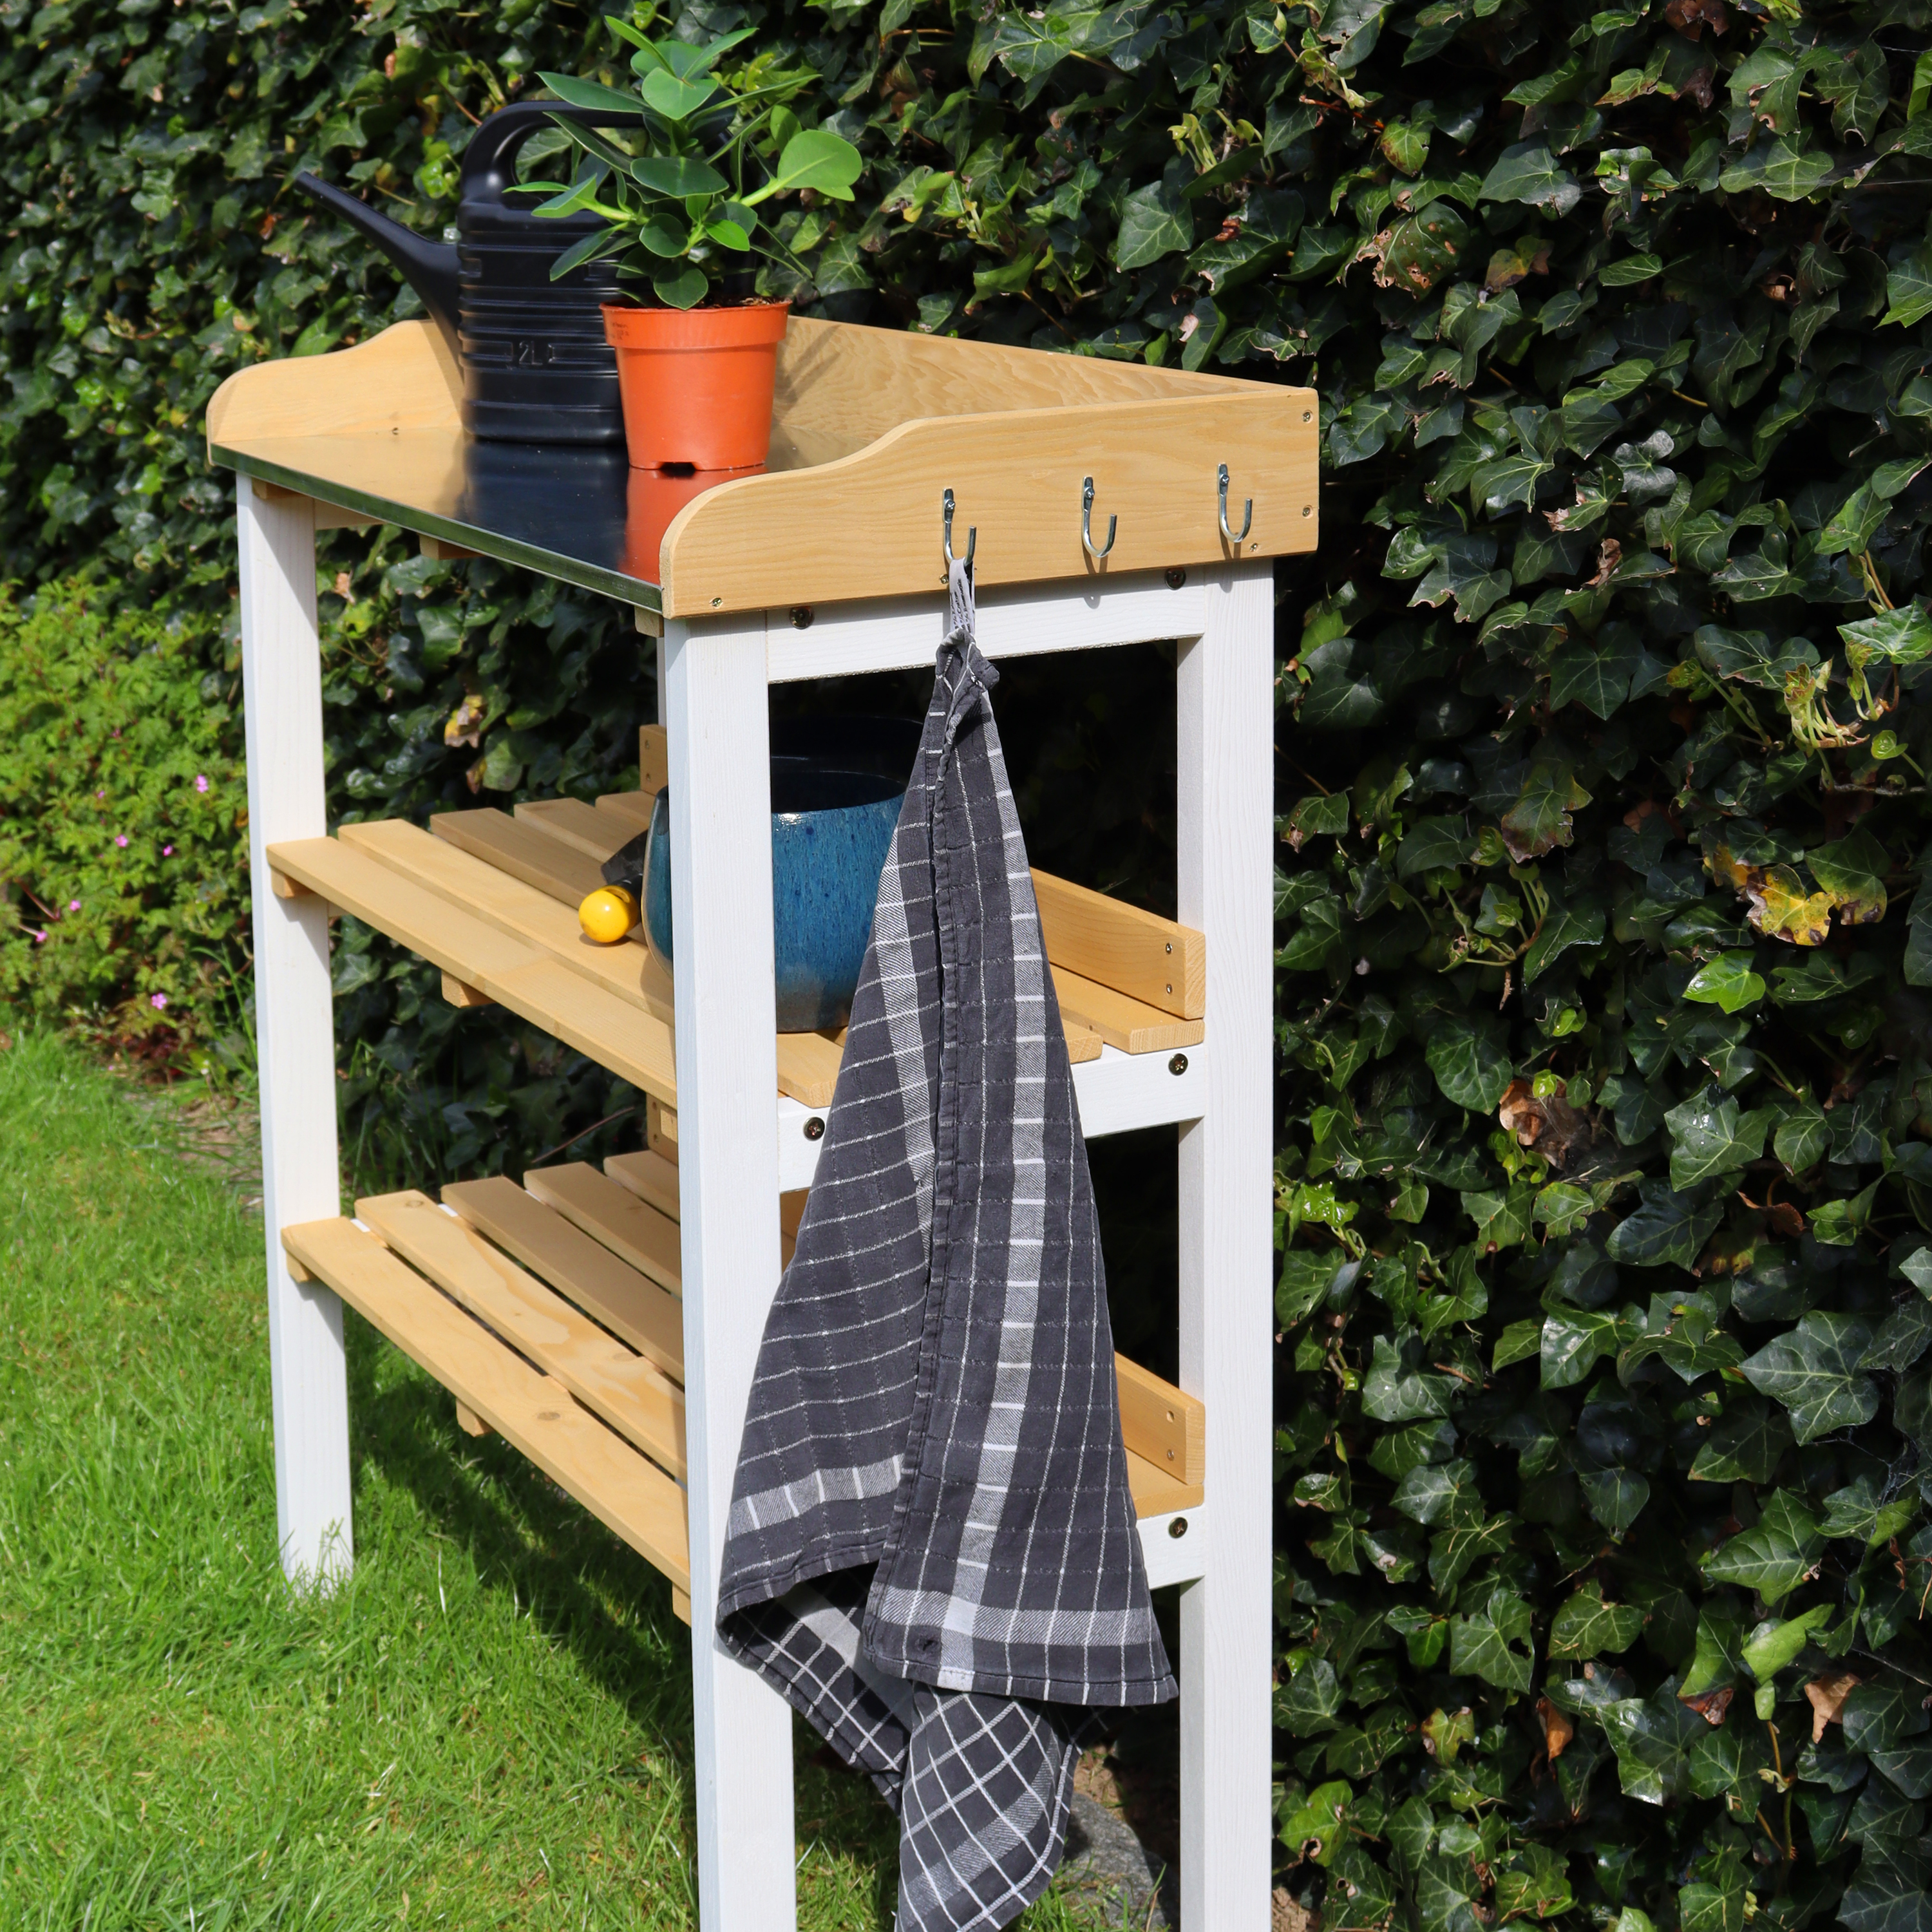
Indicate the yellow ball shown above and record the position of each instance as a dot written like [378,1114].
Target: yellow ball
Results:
[608,914]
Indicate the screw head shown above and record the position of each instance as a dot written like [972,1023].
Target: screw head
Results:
[1308,415]
[1308,509]
[1178,1064]
[1176,578]
[1177,1528]
[716,601]
[802,615]
[814,1128]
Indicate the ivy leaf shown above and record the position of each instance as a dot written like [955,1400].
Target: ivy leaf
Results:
[1715,1662]
[1155,221]
[1493,1644]
[1669,1228]
[1541,818]
[1528,172]
[1710,1908]
[1852,870]
[1394,1390]
[1307,1703]
[1709,1136]
[1879,1715]
[1772,1645]
[1587,1627]
[1857,1510]
[1468,1054]
[1432,1494]
[1773,1556]
[1888,1895]
[1652,1739]
[1813,1371]
[1745,1443]
[1564,927]
[1909,287]
[1902,636]
[1727,981]
[1573,1341]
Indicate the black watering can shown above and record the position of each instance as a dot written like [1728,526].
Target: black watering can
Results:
[536,366]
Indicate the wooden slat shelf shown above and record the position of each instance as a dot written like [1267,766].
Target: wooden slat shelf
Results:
[533,1306]
[491,900]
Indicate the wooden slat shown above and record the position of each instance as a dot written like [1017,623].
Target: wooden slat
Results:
[523,850]
[1131,1024]
[632,808]
[621,1387]
[807,1068]
[653,759]
[1159,1422]
[629,1227]
[458,995]
[1119,946]
[1155,1492]
[661,1130]
[529,1409]
[1081,1044]
[406,378]
[653,1178]
[575,823]
[629,1041]
[628,1303]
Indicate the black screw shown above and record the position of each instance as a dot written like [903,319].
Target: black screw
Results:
[802,615]
[1176,578]
[814,1128]
[1178,1064]
[1177,1528]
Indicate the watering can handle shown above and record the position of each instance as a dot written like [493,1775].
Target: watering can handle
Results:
[489,162]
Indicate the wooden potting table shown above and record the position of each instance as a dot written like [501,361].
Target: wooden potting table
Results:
[607,1323]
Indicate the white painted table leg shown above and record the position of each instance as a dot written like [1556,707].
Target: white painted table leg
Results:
[1226,821]
[715,705]
[281,677]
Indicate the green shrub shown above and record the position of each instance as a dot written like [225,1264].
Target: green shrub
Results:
[123,811]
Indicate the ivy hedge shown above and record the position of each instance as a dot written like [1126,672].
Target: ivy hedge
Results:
[1605,1165]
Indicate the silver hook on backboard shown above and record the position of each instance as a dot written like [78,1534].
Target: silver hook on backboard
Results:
[972,534]
[1087,524]
[1247,514]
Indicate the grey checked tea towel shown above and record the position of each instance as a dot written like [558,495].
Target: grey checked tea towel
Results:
[932,1551]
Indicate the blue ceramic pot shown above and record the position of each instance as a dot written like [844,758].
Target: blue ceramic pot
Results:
[837,785]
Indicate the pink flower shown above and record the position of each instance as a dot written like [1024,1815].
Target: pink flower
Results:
[200,781]
[40,939]
[120,838]
[100,794]
[157,1000]
[167,851]
[73,905]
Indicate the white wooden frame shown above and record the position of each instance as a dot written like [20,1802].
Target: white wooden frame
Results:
[738,1143]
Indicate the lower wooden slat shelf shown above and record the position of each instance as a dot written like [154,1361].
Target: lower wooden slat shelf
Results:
[537,1321]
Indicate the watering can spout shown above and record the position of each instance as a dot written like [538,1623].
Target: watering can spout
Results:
[430,267]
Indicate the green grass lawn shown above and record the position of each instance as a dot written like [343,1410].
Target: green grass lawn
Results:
[489,1725]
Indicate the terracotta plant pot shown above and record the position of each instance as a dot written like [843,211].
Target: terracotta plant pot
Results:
[697,383]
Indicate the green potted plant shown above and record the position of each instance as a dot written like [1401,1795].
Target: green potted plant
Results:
[697,353]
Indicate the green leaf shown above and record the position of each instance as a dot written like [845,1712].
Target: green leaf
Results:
[676,100]
[1518,1341]
[1802,1136]
[1775,1554]
[677,176]
[1652,1739]
[1909,287]
[1744,1443]
[1316,1823]
[1903,636]
[576,93]
[684,289]
[1877,1716]
[817,159]
[1813,1371]
[1852,870]
[1539,820]
[1710,1908]
[1482,1645]
[1669,1228]
[1528,173]
[1709,1136]
[1394,1389]
[1727,981]
[1438,1493]
[1564,927]
[1587,1627]
[1307,1703]
[1772,1645]
[1782,171]
[1887,1896]
[1715,1663]
[1155,221]
[1469,1057]
[1315,815]
[1572,1342]
[1857,1510]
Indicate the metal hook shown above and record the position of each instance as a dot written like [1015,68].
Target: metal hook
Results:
[1087,524]
[1247,514]
[972,535]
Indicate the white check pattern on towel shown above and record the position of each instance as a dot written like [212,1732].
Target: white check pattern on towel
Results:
[932,1550]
